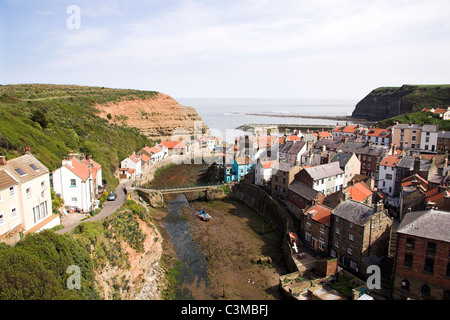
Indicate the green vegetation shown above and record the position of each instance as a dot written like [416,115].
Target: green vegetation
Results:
[36,267]
[343,286]
[54,119]
[417,117]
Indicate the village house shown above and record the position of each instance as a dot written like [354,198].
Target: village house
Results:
[206,141]
[175,147]
[443,142]
[25,197]
[263,172]
[442,113]
[326,178]
[25,204]
[154,154]
[349,163]
[377,136]
[342,131]
[283,150]
[282,178]
[315,228]
[239,167]
[10,218]
[422,266]
[359,231]
[300,196]
[387,179]
[295,152]
[131,167]
[77,182]
[359,192]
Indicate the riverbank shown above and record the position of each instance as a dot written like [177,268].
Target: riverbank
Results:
[234,240]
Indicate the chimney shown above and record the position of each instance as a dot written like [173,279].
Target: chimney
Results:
[416,165]
[71,155]
[27,150]
[379,206]
[2,161]
[67,161]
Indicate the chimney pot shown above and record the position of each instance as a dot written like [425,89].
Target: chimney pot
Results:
[2,161]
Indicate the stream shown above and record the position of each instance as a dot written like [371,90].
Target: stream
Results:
[192,279]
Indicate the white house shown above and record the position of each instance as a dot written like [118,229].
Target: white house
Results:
[327,178]
[263,171]
[155,153]
[25,204]
[132,164]
[429,138]
[75,182]
[206,141]
[387,177]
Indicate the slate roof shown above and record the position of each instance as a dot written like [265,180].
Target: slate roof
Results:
[355,212]
[353,147]
[324,171]
[444,134]
[342,158]
[303,190]
[430,224]
[286,147]
[298,145]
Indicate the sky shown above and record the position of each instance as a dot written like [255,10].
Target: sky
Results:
[339,49]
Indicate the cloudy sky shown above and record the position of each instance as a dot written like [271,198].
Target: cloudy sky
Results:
[334,49]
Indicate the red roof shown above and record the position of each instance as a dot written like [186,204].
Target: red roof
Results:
[173,144]
[359,191]
[79,169]
[377,132]
[269,164]
[390,161]
[320,213]
[346,128]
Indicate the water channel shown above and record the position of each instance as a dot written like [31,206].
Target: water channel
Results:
[193,281]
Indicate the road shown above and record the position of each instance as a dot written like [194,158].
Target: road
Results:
[108,207]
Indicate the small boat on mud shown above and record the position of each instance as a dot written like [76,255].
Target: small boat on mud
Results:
[204,216]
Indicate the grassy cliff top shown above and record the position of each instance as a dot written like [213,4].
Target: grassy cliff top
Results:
[54,119]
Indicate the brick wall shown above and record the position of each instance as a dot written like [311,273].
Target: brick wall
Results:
[437,281]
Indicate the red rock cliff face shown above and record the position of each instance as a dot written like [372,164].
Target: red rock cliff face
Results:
[158,117]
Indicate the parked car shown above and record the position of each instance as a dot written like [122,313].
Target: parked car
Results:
[111,196]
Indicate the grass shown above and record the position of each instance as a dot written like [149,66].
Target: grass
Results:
[55,119]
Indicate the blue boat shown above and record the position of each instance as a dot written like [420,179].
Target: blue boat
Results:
[204,216]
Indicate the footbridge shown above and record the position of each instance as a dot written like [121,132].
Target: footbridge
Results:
[179,189]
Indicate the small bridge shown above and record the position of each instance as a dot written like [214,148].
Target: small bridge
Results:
[179,189]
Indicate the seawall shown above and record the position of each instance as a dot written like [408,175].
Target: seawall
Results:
[271,212]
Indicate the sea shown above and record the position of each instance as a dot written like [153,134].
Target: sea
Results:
[223,116]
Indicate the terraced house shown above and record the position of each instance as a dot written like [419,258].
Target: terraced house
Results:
[422,267]
[25,197]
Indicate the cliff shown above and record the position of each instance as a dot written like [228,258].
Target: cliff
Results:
[157,117]
[387,102]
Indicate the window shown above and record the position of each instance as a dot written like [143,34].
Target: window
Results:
[408,260]
[410,242]
[388,176]
[13,212]
[429,265]
[11,191]
[20,171]
[351,237]
[425,291]
[321,245]
[404,285]
[73,182]
[350,225]
[431,248]
[322,235]
[337,219]
[307,237]
[349,251]
[308,226]
[336,244]
[34,167]
[28,192]
[353,265]
[337,230]
[43,185]
[1,218]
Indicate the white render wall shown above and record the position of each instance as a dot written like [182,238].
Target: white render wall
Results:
[82,191]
